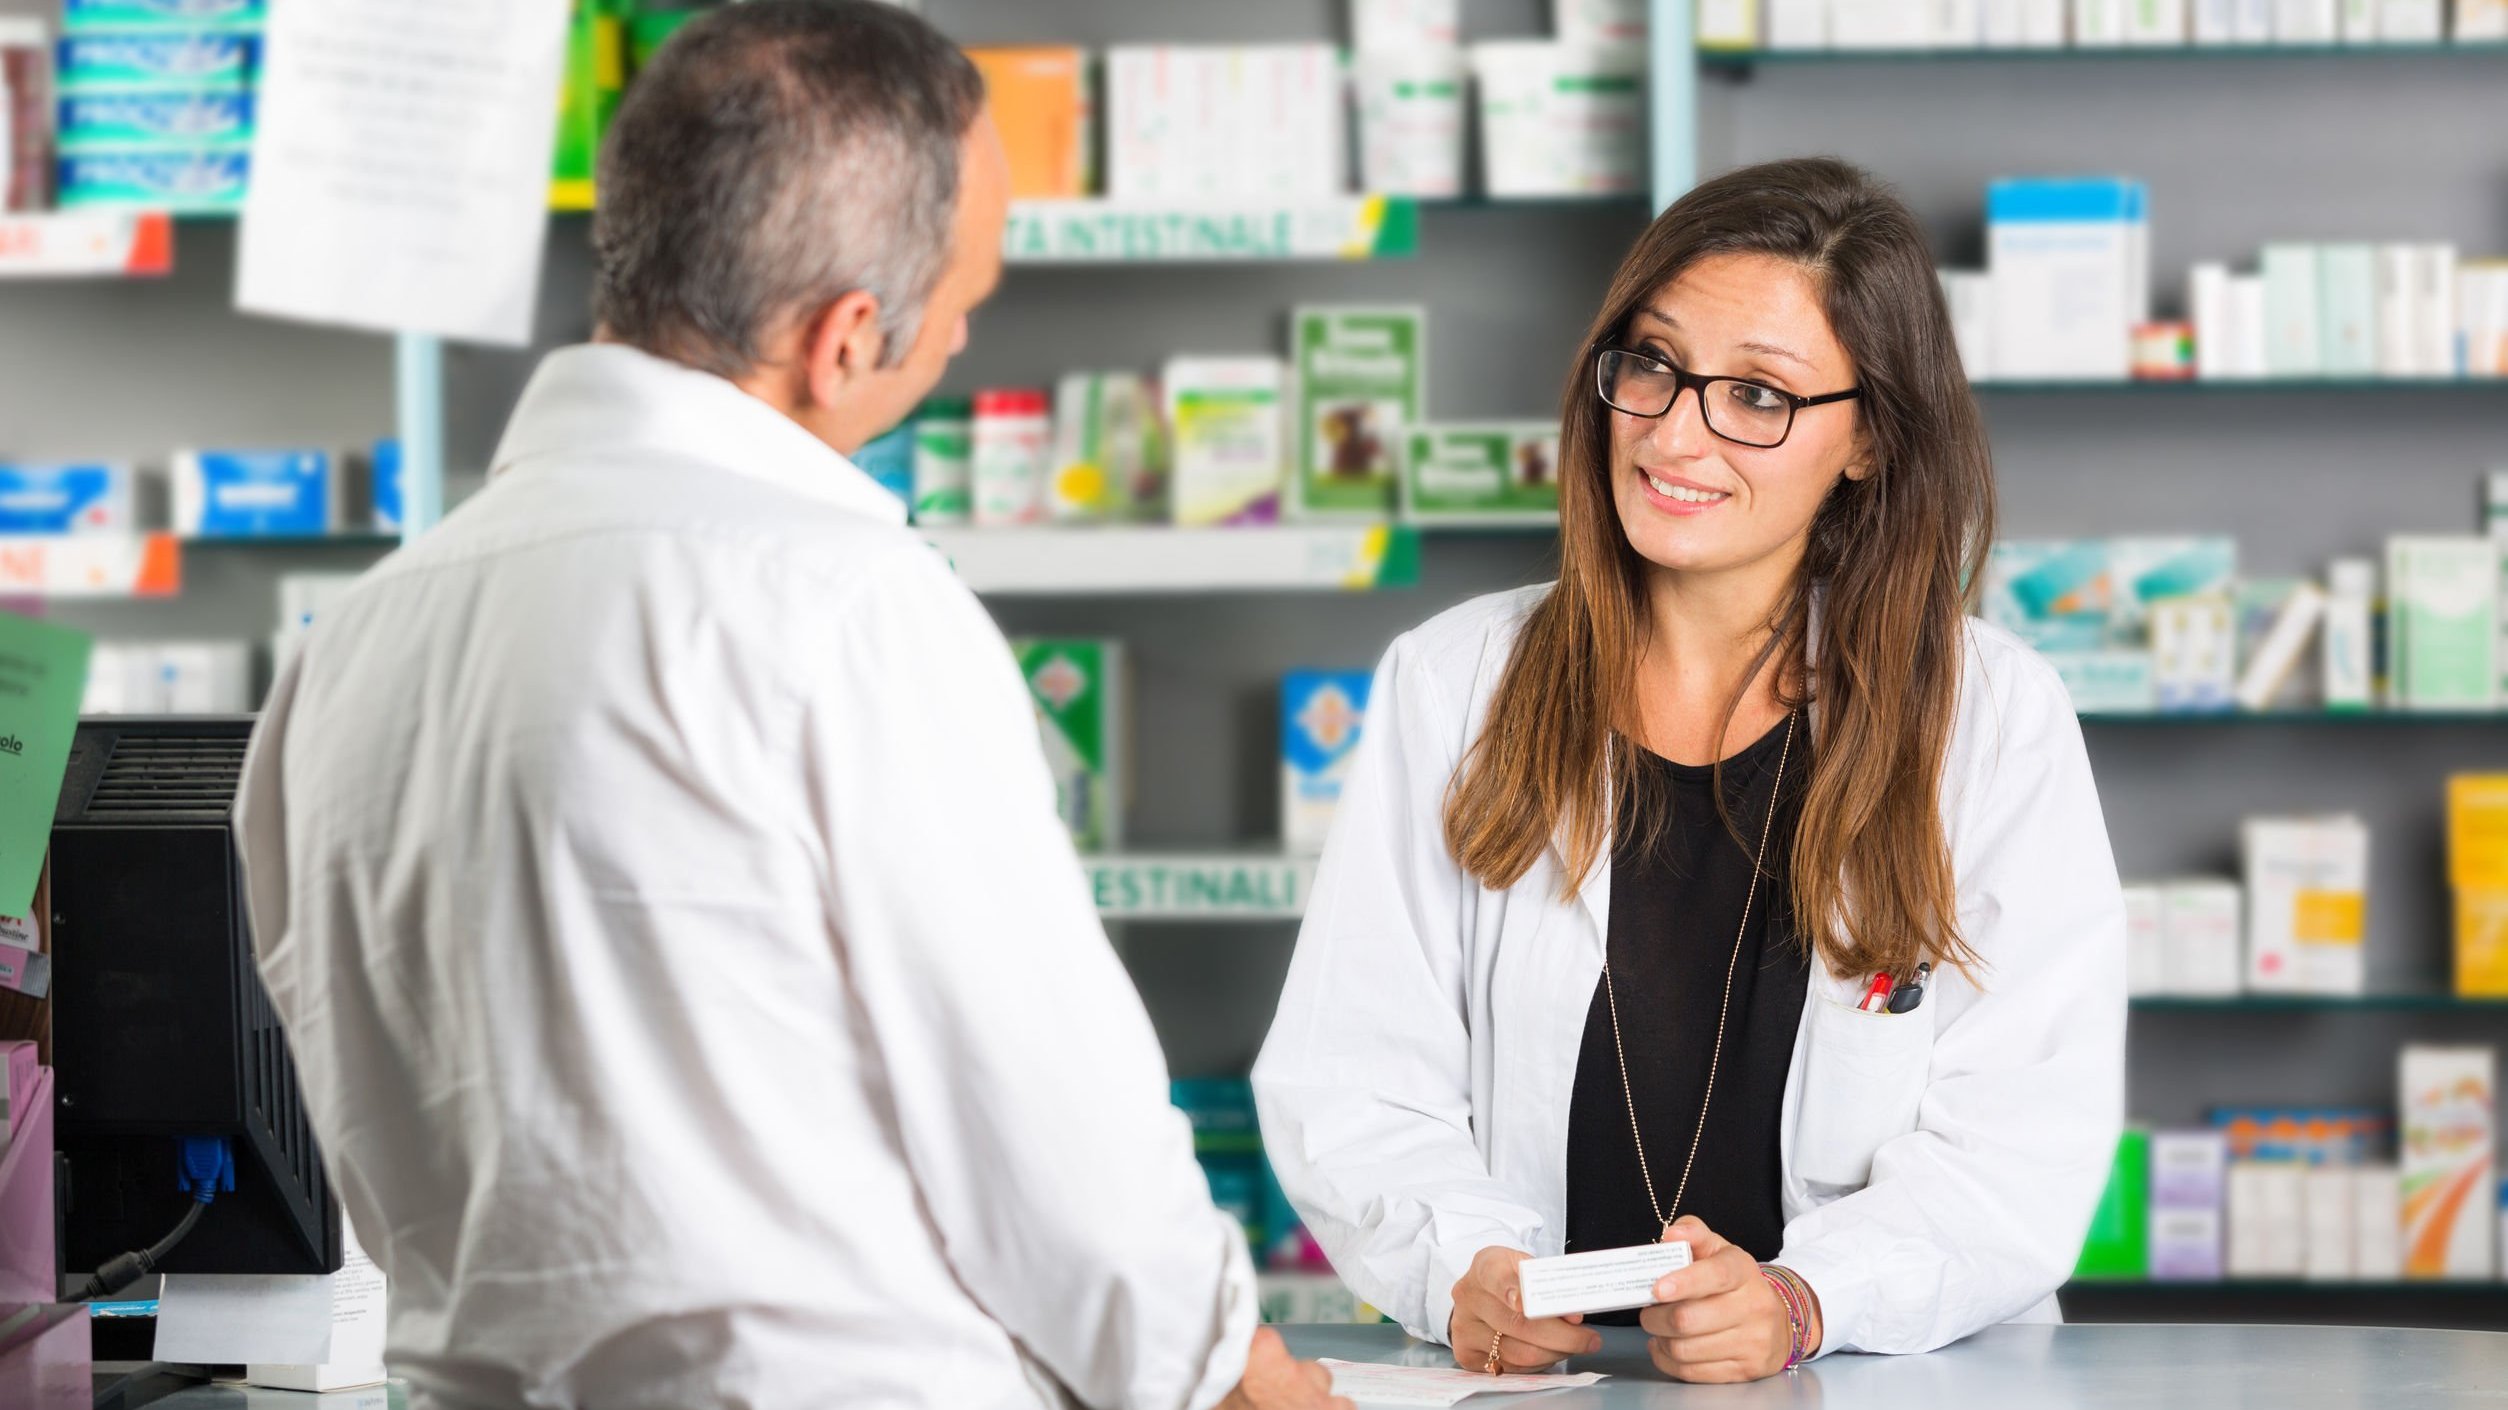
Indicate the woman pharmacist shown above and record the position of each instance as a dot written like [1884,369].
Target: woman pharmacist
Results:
[1623,857]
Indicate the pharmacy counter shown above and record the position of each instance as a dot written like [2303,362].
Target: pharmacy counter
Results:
[2044,1368]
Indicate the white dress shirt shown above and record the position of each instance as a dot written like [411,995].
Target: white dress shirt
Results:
[697,997]
[1940,1166]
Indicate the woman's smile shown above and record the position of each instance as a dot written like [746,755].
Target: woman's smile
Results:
[1671,494]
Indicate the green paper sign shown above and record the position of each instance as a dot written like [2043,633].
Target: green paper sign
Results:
[43,677]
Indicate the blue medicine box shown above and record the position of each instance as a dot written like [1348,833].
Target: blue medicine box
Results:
[255,493]
[188,118]
[137,58]
[387,488]
[78,16]
[66,499]
[186,181]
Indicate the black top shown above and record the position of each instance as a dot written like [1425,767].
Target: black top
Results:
[1674,911]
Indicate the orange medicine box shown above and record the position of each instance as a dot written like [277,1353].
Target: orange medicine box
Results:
[2477,867]
[2477,832]
[1040,101]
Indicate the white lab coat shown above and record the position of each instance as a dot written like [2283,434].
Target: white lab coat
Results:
[1940,1167]
[696,995]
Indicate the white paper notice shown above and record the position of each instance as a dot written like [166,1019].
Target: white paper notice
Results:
[222,1319]
[401,178]
[1435,1387]
[281,1319]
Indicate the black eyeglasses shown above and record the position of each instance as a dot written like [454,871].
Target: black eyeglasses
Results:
[1744,412]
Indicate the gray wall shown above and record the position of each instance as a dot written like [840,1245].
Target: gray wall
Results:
[2237,152]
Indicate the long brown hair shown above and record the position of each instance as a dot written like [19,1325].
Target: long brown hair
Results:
[1890,561]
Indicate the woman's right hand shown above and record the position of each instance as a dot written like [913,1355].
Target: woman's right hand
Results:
[1486,1300]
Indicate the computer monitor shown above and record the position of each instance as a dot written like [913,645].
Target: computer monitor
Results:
[161,1028]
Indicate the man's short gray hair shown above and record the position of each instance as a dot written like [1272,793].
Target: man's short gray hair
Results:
[776,156]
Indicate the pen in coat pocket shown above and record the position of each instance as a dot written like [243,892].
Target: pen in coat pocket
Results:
[1906,997]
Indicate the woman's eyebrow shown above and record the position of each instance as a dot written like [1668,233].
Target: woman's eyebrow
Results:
[1772,350]
[1767,349]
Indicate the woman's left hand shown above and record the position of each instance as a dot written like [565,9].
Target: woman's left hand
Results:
[1718,1320]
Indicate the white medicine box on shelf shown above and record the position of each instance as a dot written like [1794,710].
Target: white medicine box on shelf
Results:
[2070,264]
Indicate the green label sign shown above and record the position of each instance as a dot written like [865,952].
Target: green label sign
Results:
[1195,888]
[1358,227]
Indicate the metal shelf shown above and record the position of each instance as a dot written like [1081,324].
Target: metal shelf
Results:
[370,542]
[2242,386]
[2433,1001]
[1137,560]
[2345,718]
[1744,60]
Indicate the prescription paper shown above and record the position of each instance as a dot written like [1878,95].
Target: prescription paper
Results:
[1605,1280]
[1371,1386]
[401,178]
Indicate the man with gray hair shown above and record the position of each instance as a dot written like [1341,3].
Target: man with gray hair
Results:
[655,867]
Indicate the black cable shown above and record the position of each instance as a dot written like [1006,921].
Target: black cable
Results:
[121,1272]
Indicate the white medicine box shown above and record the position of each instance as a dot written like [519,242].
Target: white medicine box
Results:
[2070,262]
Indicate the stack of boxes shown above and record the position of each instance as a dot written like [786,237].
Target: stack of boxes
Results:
[2066,297]
[2131,624]
[156,107]
[2189,1183]
[2165,623]
[1336,431]
[2284,1194]
[2298,925]
[2341,311]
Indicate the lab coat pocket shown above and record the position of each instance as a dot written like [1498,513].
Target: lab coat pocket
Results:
[1863,1079]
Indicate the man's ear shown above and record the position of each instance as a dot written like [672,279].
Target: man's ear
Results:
[842,344]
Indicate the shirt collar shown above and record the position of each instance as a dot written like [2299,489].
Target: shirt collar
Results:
[598,398]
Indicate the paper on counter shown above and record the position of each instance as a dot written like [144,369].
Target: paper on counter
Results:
[1436,1387]
[401,176]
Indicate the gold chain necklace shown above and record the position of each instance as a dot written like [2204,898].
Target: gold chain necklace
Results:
[1724,1011]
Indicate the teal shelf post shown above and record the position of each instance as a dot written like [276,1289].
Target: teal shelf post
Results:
[418,410]
[1672,86]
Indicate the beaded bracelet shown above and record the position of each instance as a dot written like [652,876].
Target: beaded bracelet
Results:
[1794,1296]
